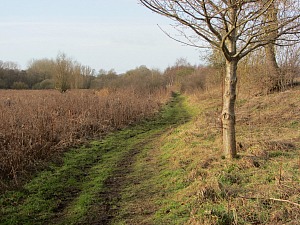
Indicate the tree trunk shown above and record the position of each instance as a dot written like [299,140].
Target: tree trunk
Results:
[271,57]
[271,30]
[273,68]
[228,112]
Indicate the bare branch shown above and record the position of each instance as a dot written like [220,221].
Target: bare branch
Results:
[191,43]
[210,20]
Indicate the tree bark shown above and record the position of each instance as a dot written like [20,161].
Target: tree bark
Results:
[228,112]
[273,69]
[230,80]
[271,58]
[271,62]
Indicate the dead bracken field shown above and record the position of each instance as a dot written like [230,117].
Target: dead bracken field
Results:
[37,125]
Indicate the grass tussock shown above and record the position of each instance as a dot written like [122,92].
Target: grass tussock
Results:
[37,125]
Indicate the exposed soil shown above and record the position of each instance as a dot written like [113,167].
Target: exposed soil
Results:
[107,208]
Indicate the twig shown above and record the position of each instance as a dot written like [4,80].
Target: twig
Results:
[284,200]
[274,199]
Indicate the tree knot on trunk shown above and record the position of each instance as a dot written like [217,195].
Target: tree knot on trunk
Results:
[230,95]
[233,80]
[227,117]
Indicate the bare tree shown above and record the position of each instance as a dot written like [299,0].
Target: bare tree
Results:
[63,73]
[236,28]
[87,73]
[43,68]
[9,65]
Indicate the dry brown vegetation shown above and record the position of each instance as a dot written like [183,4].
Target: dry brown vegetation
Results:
[37,125]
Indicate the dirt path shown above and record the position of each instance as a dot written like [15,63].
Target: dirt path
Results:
[128,194]
[106,210]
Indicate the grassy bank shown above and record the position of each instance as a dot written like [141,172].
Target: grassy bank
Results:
[184,179]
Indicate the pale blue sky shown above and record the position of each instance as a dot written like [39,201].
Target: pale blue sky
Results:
[104,34]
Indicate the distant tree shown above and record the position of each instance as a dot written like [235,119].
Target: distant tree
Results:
[19,85]
[45,84]
[176,74]
[10,73]
[196,81]
[236,28]
[9,65]
[138,79]
[41,68]
[9,76]
[105,79]
[141,71]
[88,74]
[63,73]
[75,76]
[110,72]
[3,84]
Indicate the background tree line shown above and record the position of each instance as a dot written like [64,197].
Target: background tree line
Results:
[64,73]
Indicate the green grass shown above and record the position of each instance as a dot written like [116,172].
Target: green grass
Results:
[147,202]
